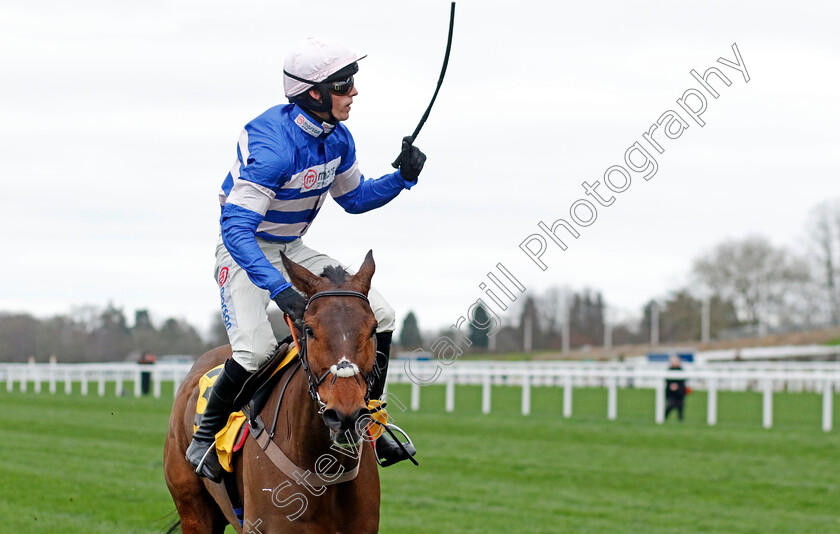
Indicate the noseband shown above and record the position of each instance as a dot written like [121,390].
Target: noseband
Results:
[344,368]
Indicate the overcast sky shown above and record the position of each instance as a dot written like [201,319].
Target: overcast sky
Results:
[119,122]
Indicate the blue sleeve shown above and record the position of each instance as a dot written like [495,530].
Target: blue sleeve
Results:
[239,226]
[266,163]
[363,194]
[371,194]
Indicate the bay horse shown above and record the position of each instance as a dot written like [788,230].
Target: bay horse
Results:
[319,408]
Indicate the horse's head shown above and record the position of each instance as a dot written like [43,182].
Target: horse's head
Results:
[339,344]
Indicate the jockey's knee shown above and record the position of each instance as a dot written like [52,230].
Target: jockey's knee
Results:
[386,318]
[256,350]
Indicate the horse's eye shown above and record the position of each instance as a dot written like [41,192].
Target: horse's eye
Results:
[373,331]
[308,331]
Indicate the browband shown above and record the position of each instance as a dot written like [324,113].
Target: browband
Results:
[336,293]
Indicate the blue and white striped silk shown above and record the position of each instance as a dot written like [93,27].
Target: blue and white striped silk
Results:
[286,164]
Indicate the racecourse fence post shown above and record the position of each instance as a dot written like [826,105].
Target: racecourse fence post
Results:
[415,396]
[156,381]
[36,376]
[23,380]
[10,381]
[137,383]
[711,415]
[52,375]
[526,394]
[485,394]
[450,393]
[68,383]
[767,404]
[612,398]
[84,383]
[119,389]
[567,396]
[659,417]
[828,406]
[101,388]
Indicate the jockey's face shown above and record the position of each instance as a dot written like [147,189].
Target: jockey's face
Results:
[340,104]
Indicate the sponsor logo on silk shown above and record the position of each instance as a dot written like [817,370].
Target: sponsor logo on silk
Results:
[308,126]
[223,276]
[309,179]
[317,177]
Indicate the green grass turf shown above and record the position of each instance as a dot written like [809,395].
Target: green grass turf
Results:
[91,464]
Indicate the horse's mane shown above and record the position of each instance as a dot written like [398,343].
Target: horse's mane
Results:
[335,274]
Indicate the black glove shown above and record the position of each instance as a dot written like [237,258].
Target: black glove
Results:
[291,303]
[410,160]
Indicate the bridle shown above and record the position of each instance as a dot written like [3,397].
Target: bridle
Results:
[344,368]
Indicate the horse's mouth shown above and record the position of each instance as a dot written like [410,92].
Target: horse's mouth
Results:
[346,440]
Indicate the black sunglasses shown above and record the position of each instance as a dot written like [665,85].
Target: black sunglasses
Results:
[340,87]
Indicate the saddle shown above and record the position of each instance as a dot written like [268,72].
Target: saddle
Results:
[252,398]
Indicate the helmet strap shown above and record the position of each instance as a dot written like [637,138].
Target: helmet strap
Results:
[316,107]
[326,102]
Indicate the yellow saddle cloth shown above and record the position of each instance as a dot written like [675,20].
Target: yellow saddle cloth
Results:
[232,437]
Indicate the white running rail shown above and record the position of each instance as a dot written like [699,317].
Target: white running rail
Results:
[767,377]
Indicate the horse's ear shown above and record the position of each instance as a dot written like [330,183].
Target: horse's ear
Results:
[362,278]
[300,277]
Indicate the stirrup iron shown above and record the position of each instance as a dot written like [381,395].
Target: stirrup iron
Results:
[198,468]
[400,444]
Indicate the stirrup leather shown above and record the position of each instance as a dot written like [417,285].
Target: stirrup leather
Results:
[379,426]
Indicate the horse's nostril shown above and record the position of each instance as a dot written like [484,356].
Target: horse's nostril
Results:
[361,412]
[332,419]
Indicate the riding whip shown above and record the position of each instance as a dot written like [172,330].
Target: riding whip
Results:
[408,141]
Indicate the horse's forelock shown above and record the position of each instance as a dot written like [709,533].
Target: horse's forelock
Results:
[335,274]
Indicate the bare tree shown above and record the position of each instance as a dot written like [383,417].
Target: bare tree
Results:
[824,233]
[554,314]
[681,317]
[764,283]
[529,324]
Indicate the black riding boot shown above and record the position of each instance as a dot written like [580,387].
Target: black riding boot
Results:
[201,453]
[380,365]
[388,451]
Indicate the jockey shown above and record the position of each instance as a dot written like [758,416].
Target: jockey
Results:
[288,160]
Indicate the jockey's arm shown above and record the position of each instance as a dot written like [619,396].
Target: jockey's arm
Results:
[356,194]
[239,227]
[243,212]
